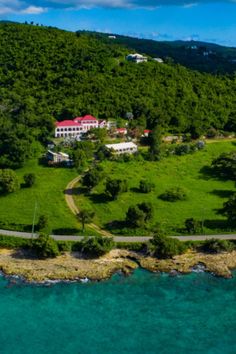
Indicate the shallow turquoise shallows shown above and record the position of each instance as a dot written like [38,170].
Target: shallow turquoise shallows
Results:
[144,313]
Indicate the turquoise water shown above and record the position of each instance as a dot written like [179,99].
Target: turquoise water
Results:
[144,313]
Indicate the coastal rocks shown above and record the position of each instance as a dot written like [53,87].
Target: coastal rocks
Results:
[65,267]
[71,266]
[218,264]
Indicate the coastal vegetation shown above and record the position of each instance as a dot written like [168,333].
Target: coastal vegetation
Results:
[201,194]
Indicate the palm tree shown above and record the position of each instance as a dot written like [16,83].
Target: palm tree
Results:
[85,217]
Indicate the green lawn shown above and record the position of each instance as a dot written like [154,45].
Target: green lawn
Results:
[17,209]
[205,194]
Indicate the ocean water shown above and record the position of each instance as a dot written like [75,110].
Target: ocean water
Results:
[143,313]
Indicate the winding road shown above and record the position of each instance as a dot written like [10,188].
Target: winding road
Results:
[69,191]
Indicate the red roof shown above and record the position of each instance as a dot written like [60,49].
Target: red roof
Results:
[67,123]
[85,118]
[147,131]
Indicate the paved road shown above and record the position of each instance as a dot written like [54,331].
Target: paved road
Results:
[120,238]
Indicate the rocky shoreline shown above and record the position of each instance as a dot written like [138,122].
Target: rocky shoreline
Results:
[72,266]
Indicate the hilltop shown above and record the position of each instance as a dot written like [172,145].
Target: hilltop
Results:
[201,56]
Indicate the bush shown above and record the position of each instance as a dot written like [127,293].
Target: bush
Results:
[64,246]
[114,187]
[29,179]
[193,226]
[182,149]
[174,194]
[217,246]
[166,247]
[97,246]
[42,223]
[45,246]
[139,214]
[14,242]
[9,181]
[145,186]
[229,209]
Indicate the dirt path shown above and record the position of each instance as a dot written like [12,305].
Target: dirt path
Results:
[75,210]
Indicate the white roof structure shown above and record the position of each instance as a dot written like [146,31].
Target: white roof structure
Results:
[122,146]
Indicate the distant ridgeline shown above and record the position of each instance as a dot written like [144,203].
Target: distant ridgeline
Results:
[201,56]
[48,74]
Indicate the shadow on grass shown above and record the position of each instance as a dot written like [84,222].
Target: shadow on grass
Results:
[66,231]
[135,190]
[76,191]
[116,225]
[207,172]
[217,224]
[222,193]
[99,198]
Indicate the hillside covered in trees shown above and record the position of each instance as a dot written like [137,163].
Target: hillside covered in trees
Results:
[201,56]
[48,74]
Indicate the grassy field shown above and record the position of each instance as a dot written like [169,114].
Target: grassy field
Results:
[205,194]
[17,209]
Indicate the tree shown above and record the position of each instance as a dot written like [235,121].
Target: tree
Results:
[147,209]
[135,217]
[9,181]
[139,214]
[155,143]
[29,179]
[43,223]
[114,187]
[217,246]
[99,134]
[166,247]
[145,186]
[92,178]
[97,246]
[85,217]
[79,158]
[45,246]
[193,226]
[229,209]
[225,165]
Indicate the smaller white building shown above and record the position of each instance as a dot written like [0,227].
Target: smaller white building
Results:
[136,58]
[158,60]
[123,148]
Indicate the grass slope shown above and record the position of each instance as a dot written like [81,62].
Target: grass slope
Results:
[17,209]
[205,194]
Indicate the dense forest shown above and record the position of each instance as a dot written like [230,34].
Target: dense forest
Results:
[49,74]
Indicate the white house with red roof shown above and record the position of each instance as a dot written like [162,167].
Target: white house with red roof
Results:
[76,127]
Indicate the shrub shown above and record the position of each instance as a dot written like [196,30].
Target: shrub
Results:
[166,247]
[229,209]
[97,246]
[115,186]
[14,242]
[9,181]
[45,246]
[174,194]
[182,149]
[145,186]
[29,179]
[64,246]
[139,214]
[217,246]
[193,226]
[43,223]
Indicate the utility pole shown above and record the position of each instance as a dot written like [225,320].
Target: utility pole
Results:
[34,216]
